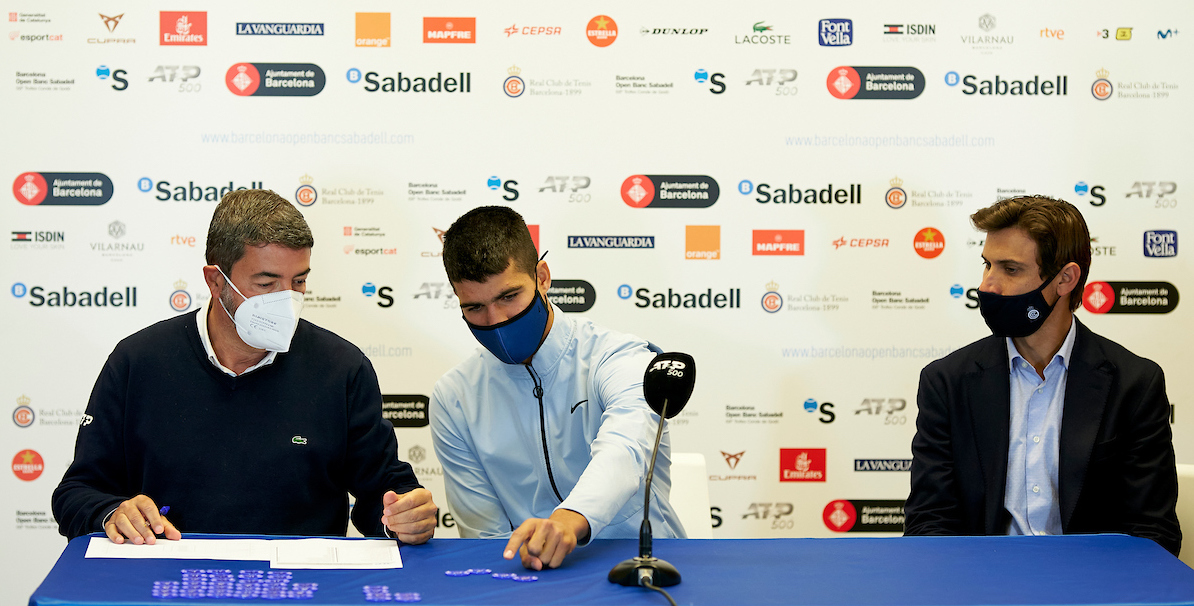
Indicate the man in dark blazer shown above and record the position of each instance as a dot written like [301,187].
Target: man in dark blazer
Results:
[1044,427]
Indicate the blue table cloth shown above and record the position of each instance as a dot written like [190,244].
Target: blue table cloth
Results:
[932,571]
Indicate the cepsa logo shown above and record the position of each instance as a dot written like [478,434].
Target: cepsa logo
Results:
[802,465]
[846,82]
[929,243]
[27,465]
[670,191]
[602,31]
[275,79]
[778,242]
[449,30]
[861,243]
[62,189]
[373,29]
[183,28]
[1130,297]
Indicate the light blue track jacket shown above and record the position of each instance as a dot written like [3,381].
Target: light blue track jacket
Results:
[594,443]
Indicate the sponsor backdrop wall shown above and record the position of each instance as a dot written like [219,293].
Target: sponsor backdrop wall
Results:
[782,191]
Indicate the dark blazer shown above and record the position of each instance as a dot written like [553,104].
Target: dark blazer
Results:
[1116,466]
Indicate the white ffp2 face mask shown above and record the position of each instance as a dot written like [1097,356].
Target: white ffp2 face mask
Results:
[266,321]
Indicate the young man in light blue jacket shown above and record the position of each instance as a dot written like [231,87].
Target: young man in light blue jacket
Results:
[543,434]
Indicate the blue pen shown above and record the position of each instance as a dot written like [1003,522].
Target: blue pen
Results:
[164,510]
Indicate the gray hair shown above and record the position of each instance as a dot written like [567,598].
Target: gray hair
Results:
[253,217]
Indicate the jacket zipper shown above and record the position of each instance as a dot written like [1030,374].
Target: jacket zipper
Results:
[543,429]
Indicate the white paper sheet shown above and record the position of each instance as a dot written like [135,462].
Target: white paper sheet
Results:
[344,554]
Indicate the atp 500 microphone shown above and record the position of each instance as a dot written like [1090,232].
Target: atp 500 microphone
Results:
[667,385]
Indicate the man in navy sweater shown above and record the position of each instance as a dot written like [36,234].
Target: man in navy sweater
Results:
[241,418]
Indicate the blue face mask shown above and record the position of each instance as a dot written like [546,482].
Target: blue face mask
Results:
[519,337]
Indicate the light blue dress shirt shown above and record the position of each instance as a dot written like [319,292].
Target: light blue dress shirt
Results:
[1030,494]
[485,423]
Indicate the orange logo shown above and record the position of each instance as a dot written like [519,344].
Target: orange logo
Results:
[373,29]
[702,242]
[928,243]
[449,30]
[602,31]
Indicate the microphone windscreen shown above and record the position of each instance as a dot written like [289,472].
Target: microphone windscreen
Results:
[671,377]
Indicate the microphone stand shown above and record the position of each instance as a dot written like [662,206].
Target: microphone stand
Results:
[646,570]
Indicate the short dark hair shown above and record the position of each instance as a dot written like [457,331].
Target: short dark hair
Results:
[1055,225]
[253,217]
[485,241]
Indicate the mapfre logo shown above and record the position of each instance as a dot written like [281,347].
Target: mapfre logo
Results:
[373,29]
[183,28]
[778,242]
[449,30]
[802,465]
[27,465]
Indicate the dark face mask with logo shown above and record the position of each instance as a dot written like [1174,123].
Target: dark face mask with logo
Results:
[517,338]
[1016,315]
